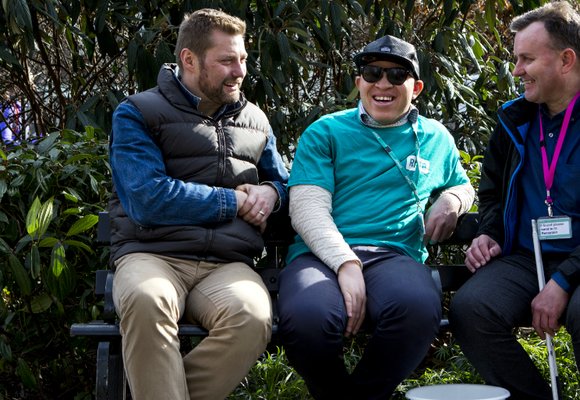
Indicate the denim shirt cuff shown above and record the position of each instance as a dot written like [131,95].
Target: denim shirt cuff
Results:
[228,204]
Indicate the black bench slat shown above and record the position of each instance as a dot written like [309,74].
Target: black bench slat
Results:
[105,329]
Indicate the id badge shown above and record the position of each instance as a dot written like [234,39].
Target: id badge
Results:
[558,227]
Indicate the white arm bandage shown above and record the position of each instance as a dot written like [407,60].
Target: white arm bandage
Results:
[310,211]
[464,193]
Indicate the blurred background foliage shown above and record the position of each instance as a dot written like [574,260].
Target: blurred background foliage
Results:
[68,63]
[71,62]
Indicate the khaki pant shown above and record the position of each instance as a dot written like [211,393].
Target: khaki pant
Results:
[152,293]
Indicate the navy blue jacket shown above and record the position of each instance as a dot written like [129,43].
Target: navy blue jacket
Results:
[498,188]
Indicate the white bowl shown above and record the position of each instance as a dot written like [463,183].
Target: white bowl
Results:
[459,391]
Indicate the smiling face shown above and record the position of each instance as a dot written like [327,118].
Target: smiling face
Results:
[217,76]
[382,100]
[539,66]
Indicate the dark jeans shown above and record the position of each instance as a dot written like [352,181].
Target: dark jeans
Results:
[487,308]
[402,318]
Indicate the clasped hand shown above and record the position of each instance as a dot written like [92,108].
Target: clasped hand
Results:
[255,203]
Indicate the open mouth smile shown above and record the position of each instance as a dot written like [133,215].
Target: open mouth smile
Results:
[383,99]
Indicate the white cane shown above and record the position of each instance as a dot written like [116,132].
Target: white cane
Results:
[541,283]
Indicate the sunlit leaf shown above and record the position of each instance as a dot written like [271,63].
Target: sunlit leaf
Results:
[78,244]
[57,260]
[83,225]
[48,242]
[32,222]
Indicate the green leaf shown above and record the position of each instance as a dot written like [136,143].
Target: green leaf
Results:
[39,217]
[409,8]
[490,13]
[48,143]
[132,52]
[32,217]
[163,53]
[4,248]
[70,197]
[34,261]
[300,32]
[72,211]
[5,349]
[90,132]
[22,243]
[78,244]
[19,274]
[41,303]
[83,224]
[107,42]
[279,9]
[3,188]
[467,91]
[25,374]
[48,242]
[6,55]
[352,95]
[283,45]
[57,260]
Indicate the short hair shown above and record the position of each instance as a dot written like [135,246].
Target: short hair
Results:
[197,27]
[561,21]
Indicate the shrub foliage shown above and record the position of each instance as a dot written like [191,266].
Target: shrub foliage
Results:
[71,62]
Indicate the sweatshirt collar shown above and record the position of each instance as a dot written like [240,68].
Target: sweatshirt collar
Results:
[410,116]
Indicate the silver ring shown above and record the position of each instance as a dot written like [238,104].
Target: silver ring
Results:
[261,212]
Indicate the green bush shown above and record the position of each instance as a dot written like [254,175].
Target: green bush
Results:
[50,194]
[272,378]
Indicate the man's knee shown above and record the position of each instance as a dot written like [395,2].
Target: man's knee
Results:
[309,321]
[148,299]
[411,314]
[249,314]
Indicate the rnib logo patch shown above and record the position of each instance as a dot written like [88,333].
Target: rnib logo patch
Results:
[412,164]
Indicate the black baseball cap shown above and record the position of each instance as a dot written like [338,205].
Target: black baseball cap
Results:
[389,48]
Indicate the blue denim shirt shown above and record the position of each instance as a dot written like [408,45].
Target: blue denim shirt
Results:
[151,197]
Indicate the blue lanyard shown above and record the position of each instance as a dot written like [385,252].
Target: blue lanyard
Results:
[412,186]
[392,154]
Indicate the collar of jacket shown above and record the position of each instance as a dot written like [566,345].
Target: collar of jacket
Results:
[183,99]
[516,115]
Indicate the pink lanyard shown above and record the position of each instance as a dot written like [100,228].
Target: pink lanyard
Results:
[550,170]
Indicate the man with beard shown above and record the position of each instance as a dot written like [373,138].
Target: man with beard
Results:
[196,174]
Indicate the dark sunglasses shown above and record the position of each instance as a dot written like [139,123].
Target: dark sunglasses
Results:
[373,73]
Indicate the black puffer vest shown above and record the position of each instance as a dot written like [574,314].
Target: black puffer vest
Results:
[196,148]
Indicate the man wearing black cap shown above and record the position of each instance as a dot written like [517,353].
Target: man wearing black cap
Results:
[360,184]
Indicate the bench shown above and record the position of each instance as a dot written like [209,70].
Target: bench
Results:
[110,377]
